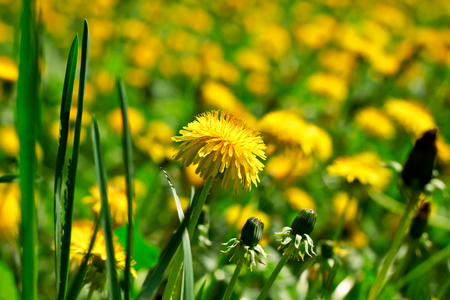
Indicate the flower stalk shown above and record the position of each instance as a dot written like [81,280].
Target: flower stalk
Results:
[233,281]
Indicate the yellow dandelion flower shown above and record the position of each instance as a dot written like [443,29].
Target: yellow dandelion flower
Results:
[135,118]
[219,142]
[340,201]
[375,122]
[9,210]
[299,199]
[156,142]
[117,199]
[192,177]
[364,167]
[357,238]
[328,85]
[9,141]
[8,69]
[443,149]
[412,116]
[257,83]
[317,33]
[289,166]
[339,62]
[252,60]
[81,236]
[286,130]
[384,63]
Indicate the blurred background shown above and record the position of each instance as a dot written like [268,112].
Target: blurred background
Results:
[352,77]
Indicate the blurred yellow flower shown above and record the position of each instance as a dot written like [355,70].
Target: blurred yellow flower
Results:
[375,122]
[328,85]
[257,83]
[117,199]
[273,40]
[96,275]
[364,168]
[340,201]
[286,130]
[339,62]
[357,238]
[412,116]
[135,119]
[183,201]
[389,15]
[219,142]
[191,66]
[433,43]
[9,141]
[8,69]
[237,216]
[288,166]
[9,210]
[299,199]
[252,60]
[168,65]
[192,177]
[156,141]
[137,77]
[104,81]
[384,63]
[317,33]
[6,33]
[146,52]
[443,149]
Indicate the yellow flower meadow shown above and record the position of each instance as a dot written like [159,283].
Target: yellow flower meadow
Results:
[82,232]
[364,167]
[9,210]
[287,131]
[329,85]
[219,142]
[117,199]
[412,116]
[375,122]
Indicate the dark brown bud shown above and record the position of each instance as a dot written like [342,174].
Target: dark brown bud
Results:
[252,231]
[304,222]
[418,168]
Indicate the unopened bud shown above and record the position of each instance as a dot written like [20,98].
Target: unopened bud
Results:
[304,222]
[419,221]
[418,168]
[252,231]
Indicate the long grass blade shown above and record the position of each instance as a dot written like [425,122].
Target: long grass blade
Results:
[129,175]
[113,282]
[77,283]
[26,107]
[188,268]
[154,279]
[61,275]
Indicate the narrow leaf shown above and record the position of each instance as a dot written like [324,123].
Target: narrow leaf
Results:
[113,282]
[154,279]
[61,269]
[188,268]
[129,175]
[27,99]
[8,178]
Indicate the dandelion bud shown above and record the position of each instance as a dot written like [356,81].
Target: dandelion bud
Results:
[252,231]
[304,222]
[418,168]
[419,221]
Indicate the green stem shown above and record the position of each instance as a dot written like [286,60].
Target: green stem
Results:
[390,256]
[90,293]
[340,225]
[176,267]
[275,272]
[425,266]
[233,280]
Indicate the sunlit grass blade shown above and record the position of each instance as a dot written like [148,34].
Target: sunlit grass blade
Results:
[77,283]
[129,175]
[188,268]
[26,107]
[61,275]
[154,279]
[113,282]
[8,178]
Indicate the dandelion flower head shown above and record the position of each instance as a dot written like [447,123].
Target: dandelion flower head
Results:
[412,116]
[288,131]
[364,167]
[9,210]
[219,142]
[375,122]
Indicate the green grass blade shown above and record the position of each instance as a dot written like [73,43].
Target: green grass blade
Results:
[27,98]
[64,116]
[188,268]
[113,282]
[8,178]
[129,175]
[154,279]
[77,283]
